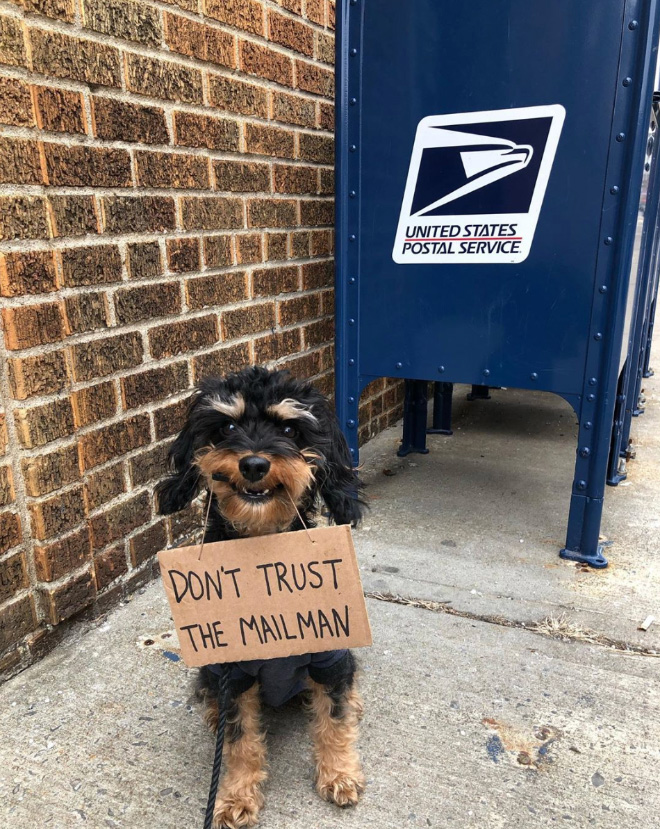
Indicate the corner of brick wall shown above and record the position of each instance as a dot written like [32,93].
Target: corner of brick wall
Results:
[166,209]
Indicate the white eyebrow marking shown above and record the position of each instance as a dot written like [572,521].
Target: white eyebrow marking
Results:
[234,407]
[291,409]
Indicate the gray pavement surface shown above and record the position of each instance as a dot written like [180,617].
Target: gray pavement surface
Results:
[473,718]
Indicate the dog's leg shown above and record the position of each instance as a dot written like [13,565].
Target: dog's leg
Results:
[336,710]
[240,798]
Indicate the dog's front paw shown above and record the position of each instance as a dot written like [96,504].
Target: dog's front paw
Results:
[340,788]
[235,812]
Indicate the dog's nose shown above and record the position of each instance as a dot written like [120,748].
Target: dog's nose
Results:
[253,467]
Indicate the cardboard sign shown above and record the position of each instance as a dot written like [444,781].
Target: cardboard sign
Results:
[266,597]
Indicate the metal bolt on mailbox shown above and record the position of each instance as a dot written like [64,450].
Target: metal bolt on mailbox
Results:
[505,193]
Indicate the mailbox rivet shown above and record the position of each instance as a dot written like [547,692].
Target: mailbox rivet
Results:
[603,289]
[351,280]
[591,397]
[353,148]
[627,81]
[353,101]
[352,194]
[352,237]
[351,362]
[585,452]
[621,137]
[608,240]
[441,369]
[353,2]
[350,424]
[592,381]
[598,336]
[534,376]
[352,451]
[399,365]
[588,424]
[614,190]
[351,400]
[351,322]
[633,25]
[581,484]
[353,52]
[486,373]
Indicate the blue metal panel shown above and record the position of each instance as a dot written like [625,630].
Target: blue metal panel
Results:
[554,321]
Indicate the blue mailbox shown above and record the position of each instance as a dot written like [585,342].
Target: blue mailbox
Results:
[489,173]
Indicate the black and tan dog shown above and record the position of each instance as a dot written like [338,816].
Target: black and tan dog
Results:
[267,448]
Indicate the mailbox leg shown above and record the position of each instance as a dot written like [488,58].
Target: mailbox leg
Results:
[648,371]
[479,393]
[442,401]
[583,537]
[414,419]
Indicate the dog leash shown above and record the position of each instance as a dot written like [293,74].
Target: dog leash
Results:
[223,687]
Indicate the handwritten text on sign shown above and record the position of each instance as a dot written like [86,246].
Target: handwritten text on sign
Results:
[264,597]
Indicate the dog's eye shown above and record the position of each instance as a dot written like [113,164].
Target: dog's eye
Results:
[228,429]
[289,432]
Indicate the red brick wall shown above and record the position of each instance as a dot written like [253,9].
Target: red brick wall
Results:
[165,212]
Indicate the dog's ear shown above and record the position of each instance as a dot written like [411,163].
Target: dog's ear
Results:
[338,482]
[179,489]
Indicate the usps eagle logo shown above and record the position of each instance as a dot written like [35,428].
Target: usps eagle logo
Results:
[476,184]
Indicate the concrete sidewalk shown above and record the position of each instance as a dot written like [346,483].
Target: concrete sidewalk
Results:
[474,716]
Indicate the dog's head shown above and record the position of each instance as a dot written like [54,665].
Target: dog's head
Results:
[265,445]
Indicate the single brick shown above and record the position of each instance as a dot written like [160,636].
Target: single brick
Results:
[327,187]
[301,244]
[30,325]
[58,110]
[3,433]
[172,170]
[327,303]
[138,214]
[160,79]
[184,524]
[169,420]
[28,272]
[217,251]
[87,166]
[23,217]
[47,472]
[272,281]
[326,117]
[235,96]
[266,63]
[42,374]
[114,440]
[97,265]
[181,337]
[110,565]
[294,6]
[147,302]
[250,320]
[149,466]
[319,333]
[305,366]
[188,5]
[6,486]
[313,78]
[13,576]
[102,357]
[267,140]
[86,312]
[41,424]
[203,131]
[249,248]
[295,179]
[293,109]
[277,345]
[12,46]
[277,246]
[244,14]
[124,19]
[183,255]
[62,557]
[15,103]
[242,177]
[315,11]
[220,289]
[211,213]
[317,212]
[73,215]
[19,162]
[10,533]
[115,120]
[293,34]
[57,514]
[323,242]
[221,361]
[299,309]
[94,403]
[104,485]
[155,384]
[146,544]
[62,56]
[120,520]
[70,598]
[331,12]
[318,275]
[319,148]
[325,48]
[188,37]
[144,260]
[16,621]
[272,213]
[59,9]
